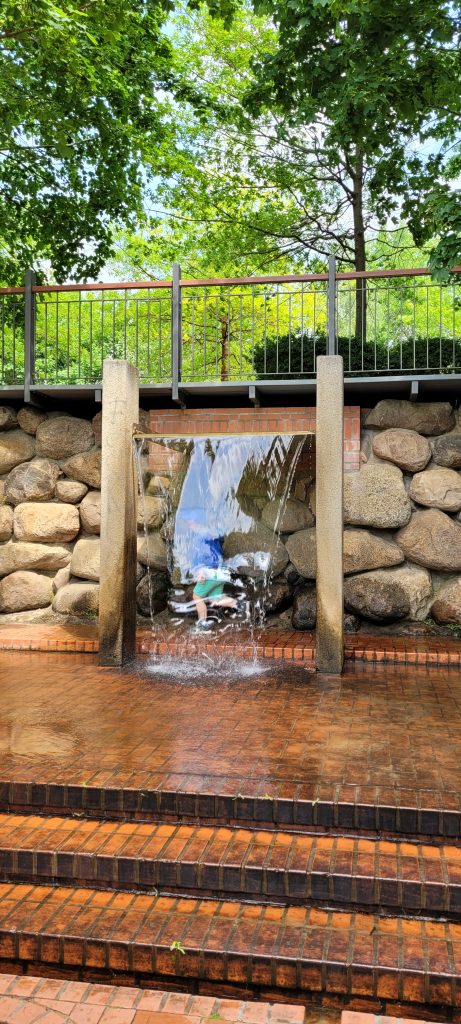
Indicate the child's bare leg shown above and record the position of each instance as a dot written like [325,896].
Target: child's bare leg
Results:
[200,606]
[224,602]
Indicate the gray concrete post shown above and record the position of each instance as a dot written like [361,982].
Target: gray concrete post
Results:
[329,514]
[117,593]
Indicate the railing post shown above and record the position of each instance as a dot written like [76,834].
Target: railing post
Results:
[176,340]
[29,334]
[331,350]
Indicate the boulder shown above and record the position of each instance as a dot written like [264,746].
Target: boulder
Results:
[292,575]
[364,551]
[301,548]
[388,594]
[29,418]
[287,517]
[140,571]
[304,607]
[32,481]
[80,599]
[85,468]
[277,596]
[23,555]
[376,496]
[24,590]
[61,579]
[446,451]
[351,623]
[8,417]
[153,552]
[155,510]
[70,491]
[6,522]
[428,418]
[158,588]
[90,512]
[437,488]
[253,546]
[447,605]
[15,447]
[405,448]
[85,561]
[158,485]
[63,436]
[49,522]
[432,539]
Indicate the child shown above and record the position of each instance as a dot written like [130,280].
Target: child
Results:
[210,576]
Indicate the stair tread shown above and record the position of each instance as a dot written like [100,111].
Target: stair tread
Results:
[301,948]
[352,870]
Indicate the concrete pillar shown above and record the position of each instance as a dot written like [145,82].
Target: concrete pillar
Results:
[329,514]
[117,595]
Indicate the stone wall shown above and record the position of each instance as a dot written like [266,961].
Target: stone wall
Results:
[50,479]
[402,539]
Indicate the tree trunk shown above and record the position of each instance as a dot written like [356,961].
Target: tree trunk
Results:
[359,245]
[225,348]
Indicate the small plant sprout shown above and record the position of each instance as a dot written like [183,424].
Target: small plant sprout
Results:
[176,946]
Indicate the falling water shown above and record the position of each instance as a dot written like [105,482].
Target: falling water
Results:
[225,483]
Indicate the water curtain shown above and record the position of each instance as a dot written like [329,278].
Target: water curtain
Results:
[221,501]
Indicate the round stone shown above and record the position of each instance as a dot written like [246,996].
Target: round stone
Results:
[90,512]
[15,447]
[157,587]
[6,522]
[86,557]
[428,418]
[437,488]
[405,448]
[22,591]
[153,552]
[446,451]
[85,467]
[364,551]
[302,552]
[388,594]
[63,436]
[32,481]
[8,417]
[376,496]
[23,555]
[49,522]
[70,491]
[261,551]
[432,539]
[79,599]
[447,605]
[287,516]
[29,418]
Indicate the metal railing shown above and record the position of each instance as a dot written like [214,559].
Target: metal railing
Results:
[385,322]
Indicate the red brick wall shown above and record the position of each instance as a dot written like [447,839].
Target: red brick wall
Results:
[188,422]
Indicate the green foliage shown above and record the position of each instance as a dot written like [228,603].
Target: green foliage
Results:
[292,357]
[380,81]
[82,123]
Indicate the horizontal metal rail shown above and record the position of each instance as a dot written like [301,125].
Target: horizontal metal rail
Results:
[273,327]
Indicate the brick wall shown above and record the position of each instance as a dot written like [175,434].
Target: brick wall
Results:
[189,422]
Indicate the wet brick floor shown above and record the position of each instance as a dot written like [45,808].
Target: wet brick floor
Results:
[64,718]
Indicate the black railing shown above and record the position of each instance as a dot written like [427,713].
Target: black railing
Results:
[386,322]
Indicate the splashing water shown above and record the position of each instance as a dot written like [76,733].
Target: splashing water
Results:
[213,490]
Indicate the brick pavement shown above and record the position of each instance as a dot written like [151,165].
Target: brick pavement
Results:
[269,643]
[386,875]
[34,1000]
[377,749]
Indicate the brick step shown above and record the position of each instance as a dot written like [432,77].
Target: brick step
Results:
[372,810]
[276,953]
[390,876]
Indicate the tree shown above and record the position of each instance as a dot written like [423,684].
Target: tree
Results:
[81,125]
[369,79]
